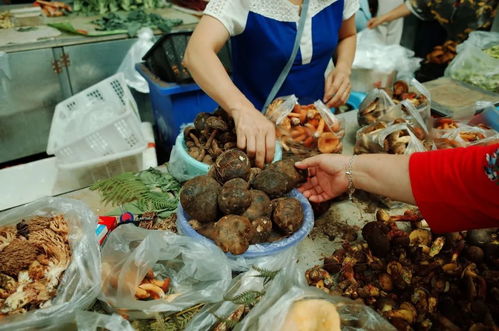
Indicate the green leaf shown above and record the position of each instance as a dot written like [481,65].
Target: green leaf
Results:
[248,298]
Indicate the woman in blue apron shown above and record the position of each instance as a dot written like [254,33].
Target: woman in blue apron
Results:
[263,34]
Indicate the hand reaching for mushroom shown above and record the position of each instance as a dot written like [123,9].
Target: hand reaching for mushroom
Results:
[326,176]
[255,134]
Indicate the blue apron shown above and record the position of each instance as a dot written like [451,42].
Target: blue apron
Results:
[262,50]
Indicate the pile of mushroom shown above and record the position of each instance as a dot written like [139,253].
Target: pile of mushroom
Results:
[307,127]
[210,135]
[418,279]
[385,105]
[381,137]
[236,205]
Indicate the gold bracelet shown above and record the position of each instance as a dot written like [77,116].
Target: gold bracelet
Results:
[348,172]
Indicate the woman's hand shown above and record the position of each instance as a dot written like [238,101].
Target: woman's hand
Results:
[326,176]
[337,87]
[256,134]
[375,21]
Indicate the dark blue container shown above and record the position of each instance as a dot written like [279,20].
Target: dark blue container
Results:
[173,105]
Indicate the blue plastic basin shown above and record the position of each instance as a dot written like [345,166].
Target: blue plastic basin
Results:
[263,249]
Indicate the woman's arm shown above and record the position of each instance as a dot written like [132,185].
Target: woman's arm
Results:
[398,12]
[337,85]
[382,174]
[255,133]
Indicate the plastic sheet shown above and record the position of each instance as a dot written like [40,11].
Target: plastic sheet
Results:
[135,55]
[372,53]
[91,321]
[198,273]
[472,65]
[247,281]
[80,283]
[276,304]
[251,256]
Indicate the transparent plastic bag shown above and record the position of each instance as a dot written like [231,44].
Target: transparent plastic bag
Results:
[91,321]
[134,56]
[372,53]
[468,130]
[306,129]
[353,315]
[408,100]
[472,65]
[377,106]
[250,280]
[199,273]
[464,135]
[391,138]
[80,283]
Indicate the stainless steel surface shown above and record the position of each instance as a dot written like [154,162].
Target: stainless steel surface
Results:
[91,63]
[28,99]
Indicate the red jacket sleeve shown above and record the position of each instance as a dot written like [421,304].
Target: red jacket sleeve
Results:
[457,189]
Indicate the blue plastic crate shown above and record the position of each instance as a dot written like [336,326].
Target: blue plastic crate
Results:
[174,105]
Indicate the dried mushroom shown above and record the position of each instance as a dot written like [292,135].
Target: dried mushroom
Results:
[431,282]
[259,207]
[233,233]
[272,182]
[234,200]
[262,229]
[231,164]
[199,198]
[295,176]
[34,255]
[287,214]
[211,135]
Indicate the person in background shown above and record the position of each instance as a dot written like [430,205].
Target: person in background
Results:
[389,32]
[458,17]
[262,35]
[363,15]
[455,189]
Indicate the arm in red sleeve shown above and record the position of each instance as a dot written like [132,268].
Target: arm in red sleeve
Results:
[457,189]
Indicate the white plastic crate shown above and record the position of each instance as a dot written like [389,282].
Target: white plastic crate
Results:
[114,135]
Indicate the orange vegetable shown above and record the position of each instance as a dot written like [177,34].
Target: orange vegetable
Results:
[328,142]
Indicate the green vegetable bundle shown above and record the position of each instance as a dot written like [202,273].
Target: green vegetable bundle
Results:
[109,6]
[135,20]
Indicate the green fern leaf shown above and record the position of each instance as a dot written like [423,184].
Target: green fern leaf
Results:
[120,189]
[266,274]
[248,298]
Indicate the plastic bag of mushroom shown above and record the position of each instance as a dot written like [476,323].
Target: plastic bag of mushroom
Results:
[449,133]
[150,271]
[306,128]
[397,137]
[381,104]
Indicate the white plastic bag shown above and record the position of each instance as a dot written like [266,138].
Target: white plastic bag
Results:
[198,273]
[80,283]
[276,305]
[472,65]
[134,56]
[250,280]
[372,53]
[91,321]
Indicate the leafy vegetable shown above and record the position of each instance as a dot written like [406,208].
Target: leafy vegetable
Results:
[88,7]
[135,20]
[492,51]
[148,190]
